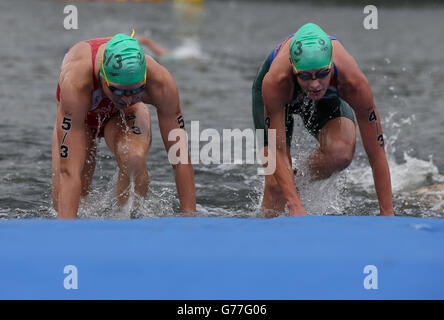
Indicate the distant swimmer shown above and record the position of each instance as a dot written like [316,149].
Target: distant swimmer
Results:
[188,50]
[103,87]
[162,53]
[312,75]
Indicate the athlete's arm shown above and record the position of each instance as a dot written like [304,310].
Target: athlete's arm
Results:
[355,89]
[71,140]
[156,48]
[275,93]
[166,100]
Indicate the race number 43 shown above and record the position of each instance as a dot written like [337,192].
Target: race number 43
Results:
[380,137]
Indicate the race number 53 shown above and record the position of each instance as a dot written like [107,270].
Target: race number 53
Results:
[66,126]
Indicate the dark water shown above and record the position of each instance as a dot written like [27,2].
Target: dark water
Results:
[222,44]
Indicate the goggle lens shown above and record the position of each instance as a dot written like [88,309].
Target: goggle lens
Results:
[126,93]
[319,75]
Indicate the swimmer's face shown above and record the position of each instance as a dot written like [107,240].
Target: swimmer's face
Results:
[124,95]
[315,89]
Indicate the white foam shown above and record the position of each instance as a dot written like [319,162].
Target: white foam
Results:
[101,203]
[189,49]
[410,175]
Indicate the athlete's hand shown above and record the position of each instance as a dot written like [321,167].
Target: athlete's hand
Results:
[296,209]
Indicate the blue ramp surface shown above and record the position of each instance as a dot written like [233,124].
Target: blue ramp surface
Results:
[314,257]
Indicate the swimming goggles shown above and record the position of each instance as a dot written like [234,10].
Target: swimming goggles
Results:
[126,93]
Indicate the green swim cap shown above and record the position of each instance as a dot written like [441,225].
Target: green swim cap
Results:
[310,48]
[123,60]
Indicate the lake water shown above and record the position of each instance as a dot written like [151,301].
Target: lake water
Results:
[221,44]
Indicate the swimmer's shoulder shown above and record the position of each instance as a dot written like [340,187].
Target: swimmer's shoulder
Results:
[77,67]
[161,86]
[348,70]
[280,69]
[279,82]
[79,52]
[156,72]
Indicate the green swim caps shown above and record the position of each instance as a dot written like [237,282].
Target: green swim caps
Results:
[123,61]
[310,48]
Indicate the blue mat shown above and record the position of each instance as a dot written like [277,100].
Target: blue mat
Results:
[314,257]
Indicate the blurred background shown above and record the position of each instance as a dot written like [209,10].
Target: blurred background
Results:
[215,49]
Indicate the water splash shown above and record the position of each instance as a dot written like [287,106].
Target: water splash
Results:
[101,203]
[189,49]
[407,175]
[322,197]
